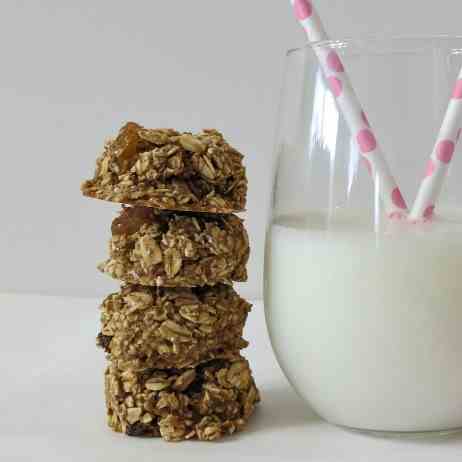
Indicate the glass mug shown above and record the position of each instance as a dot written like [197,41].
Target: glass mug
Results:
[365,313]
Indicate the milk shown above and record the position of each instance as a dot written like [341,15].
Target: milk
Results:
[368,326]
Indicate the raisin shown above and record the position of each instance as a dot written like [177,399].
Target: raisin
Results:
[131,220]
[137,429]
[103,341]
[129,144]
[196,386]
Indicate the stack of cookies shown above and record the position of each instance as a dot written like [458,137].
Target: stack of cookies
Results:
[173,333]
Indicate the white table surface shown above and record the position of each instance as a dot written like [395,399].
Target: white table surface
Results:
[52,409]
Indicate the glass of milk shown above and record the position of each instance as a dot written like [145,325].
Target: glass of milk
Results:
[364,312]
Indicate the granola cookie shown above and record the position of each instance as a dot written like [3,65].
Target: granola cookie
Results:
[206,402]
[165,169]
[176,249]
[146,327]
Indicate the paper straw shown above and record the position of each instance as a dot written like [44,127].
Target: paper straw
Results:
[437,166]
[350,107]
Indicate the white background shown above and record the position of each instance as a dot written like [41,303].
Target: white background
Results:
[71,72]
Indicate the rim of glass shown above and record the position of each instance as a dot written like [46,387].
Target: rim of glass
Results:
[359,43]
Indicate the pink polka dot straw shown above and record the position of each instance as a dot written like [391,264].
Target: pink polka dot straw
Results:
[350,107]
[438,165]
